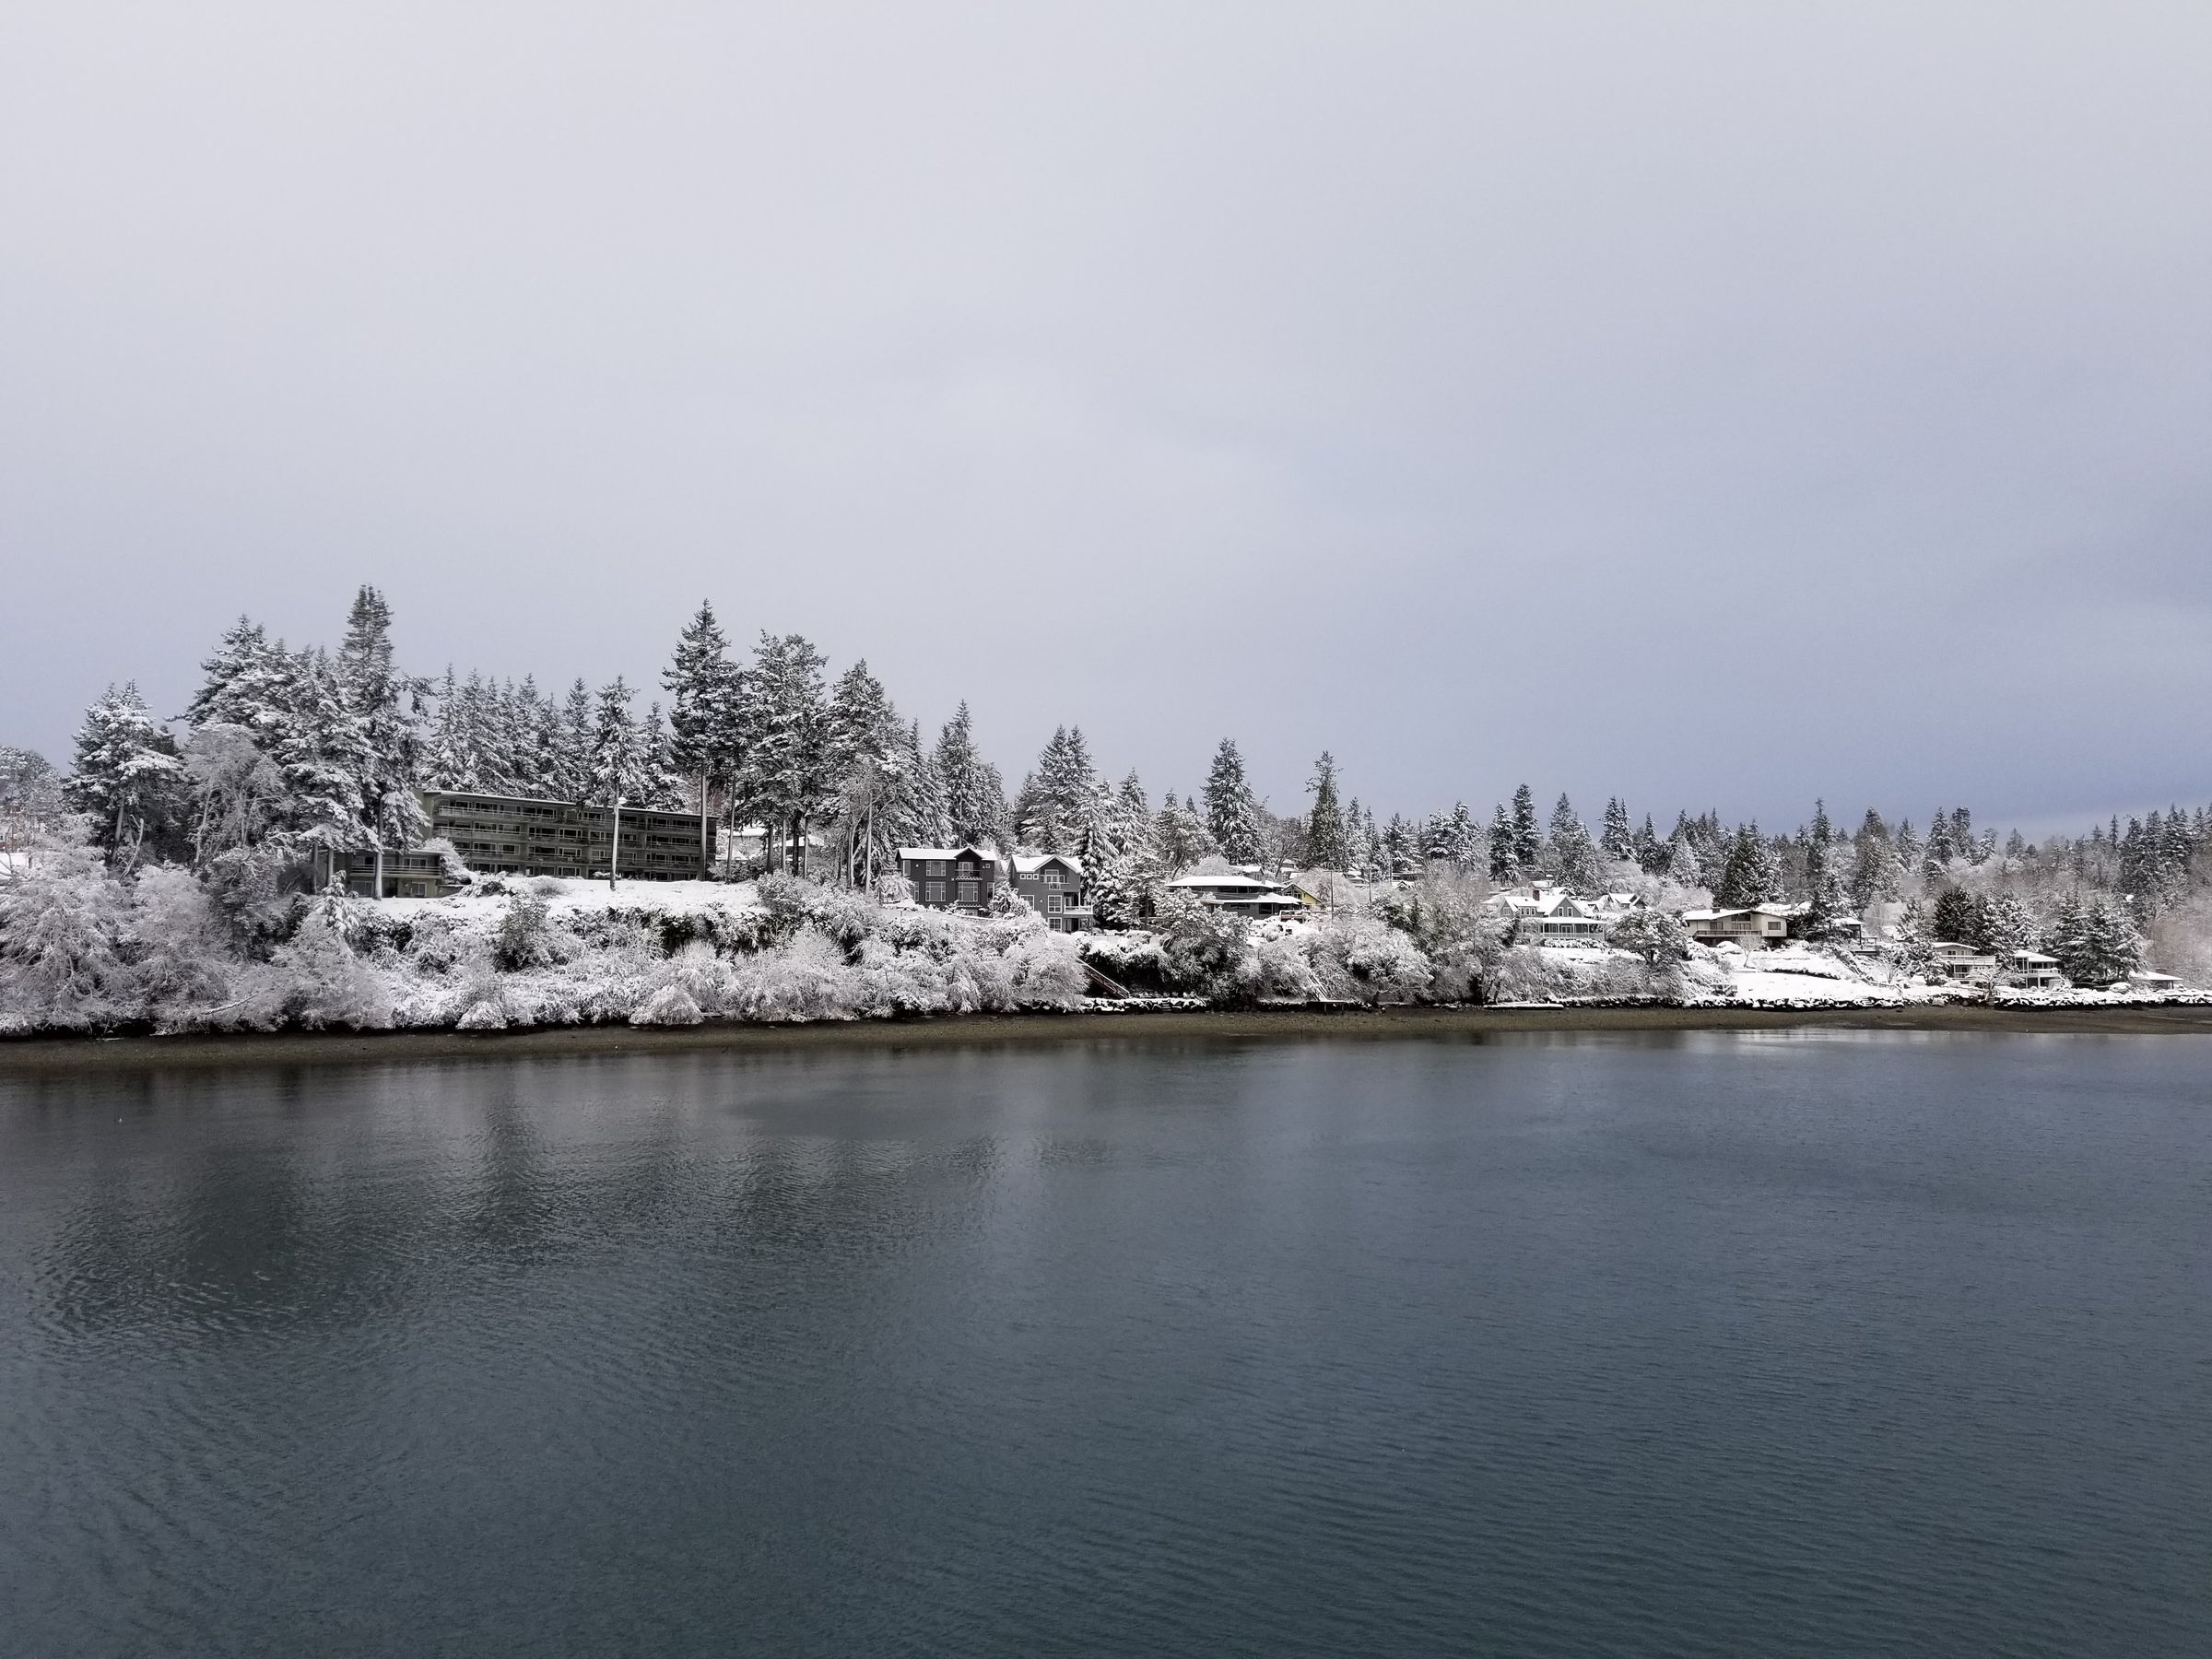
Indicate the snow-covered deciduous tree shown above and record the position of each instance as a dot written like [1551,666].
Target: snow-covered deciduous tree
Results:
[30,794]
[62,914]
[1656,935]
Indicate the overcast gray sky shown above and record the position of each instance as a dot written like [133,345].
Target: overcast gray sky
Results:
[1713,403]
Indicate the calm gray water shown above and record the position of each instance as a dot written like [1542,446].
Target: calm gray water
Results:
[1705,1345]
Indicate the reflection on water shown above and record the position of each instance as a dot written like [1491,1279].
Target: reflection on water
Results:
[1692,1344]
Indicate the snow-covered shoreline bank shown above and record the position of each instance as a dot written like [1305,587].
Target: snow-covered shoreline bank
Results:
[36,1055]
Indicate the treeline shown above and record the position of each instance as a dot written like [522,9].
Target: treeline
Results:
[290,754]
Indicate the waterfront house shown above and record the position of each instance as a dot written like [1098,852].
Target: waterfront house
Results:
[2033,970]
[1053,885]
[958,879]
[1240,895]
[1949,960]
[1761,926]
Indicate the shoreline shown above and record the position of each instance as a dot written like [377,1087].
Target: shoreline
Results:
[50,1055]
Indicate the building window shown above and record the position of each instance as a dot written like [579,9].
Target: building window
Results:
[936,866]
[934,892]
[1054,904]
[970,892]
[1051,879]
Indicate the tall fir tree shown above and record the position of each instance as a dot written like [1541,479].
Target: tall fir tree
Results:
[1328,843]
[1232,812]
[1528,845]
[703,688]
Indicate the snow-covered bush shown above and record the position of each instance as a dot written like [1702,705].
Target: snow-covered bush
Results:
[526,935]
[1207,951]
[187,974]
[326,983]
[670,1006]
[62,917]
[1363,958]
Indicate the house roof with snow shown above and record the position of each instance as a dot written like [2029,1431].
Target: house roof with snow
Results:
[1028,864]
[1227,884]
[929,852]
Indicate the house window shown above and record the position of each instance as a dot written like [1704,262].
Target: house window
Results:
[1054,904]
[936,866]
[967,866]
[1051,879]
[970,892]
[934,892]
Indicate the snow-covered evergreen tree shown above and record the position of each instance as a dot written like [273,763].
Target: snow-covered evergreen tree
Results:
[1328,843]
[1504,867]
[383,707]
[705,695]
[1181,836]
[1232,811]
[1527,844]
[1750,875]
[785,778]
[125,776]
[1058,800]
[975,799]
[1571,858]
[1618,840]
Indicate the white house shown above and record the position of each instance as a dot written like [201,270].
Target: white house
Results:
[1239,895]
[1542,913]
[1761,925]
[2143,979]
[2034,969]
[1949,959]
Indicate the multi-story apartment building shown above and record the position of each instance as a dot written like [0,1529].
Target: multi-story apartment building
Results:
[950,877]
[512,835]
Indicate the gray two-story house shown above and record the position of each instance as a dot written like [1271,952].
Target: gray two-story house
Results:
[958,879]
[1055,887]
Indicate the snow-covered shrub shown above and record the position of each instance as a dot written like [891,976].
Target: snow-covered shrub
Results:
[326,982]
[257,891]
[1205,950]
[1044,970]
[1365,960]
[1527,974]
[526,935]
[1132,958]
[805,978]
[670,1006]
[181,949]
[1286,968]
[488,1014]
[62,916]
